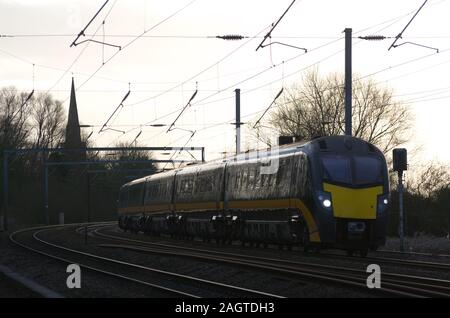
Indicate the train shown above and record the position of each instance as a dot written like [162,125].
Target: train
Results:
[328,193]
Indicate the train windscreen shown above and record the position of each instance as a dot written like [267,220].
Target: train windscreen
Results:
[367,170]
[356,170]
[337,168]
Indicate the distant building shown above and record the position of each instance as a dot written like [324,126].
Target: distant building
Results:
[73,133]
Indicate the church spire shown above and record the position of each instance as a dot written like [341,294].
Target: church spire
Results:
[73,136]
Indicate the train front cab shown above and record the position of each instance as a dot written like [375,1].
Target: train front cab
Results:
[353,200]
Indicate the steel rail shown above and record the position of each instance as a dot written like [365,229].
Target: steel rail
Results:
[414,285]
[154,270]
[95,269]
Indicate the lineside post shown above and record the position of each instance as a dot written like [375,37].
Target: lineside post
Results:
[348,81]
[399,158]
[401,216]
[4,216]
[238,120]
[46,216]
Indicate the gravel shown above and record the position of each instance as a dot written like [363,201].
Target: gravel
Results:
[421,244]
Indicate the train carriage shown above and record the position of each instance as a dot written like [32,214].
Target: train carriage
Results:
[329,192]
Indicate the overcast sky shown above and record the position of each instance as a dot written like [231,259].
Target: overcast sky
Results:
[179,53]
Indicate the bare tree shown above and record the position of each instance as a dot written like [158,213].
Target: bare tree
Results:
[14,110]
[316,108]
[433,178]
[47,122]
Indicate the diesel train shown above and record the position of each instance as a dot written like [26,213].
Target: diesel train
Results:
[330,192]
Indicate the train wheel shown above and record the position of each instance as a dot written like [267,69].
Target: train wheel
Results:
[363,253]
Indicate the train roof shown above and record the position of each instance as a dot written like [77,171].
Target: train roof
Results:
[326,143]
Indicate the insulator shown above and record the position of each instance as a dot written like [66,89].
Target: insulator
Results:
[373,37]
[230,37]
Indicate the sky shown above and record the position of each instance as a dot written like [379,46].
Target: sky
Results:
[168,50]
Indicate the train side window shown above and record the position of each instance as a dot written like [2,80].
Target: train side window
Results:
[251,179]
[244,179]
[257,178]
[280,173]
[237,183]
[190,186]
[263,180]
[204,183]
[269,178]
[209,183]
[200,184]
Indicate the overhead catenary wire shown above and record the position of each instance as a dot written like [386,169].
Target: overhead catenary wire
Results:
[391,21]
[133,40]
[173,36]
[187,80]
[136,38]
[81,52]
[382,70]
[193,77]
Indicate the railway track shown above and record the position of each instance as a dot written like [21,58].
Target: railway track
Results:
[169,283]
[415,254]
[392,283]
[385,260]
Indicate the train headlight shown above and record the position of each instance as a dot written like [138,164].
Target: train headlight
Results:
[382,204]
[324,199]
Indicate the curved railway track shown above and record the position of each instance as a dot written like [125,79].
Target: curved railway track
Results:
[185,286]
[380,260]
[392,283]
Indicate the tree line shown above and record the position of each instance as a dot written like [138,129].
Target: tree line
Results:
[39,121]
